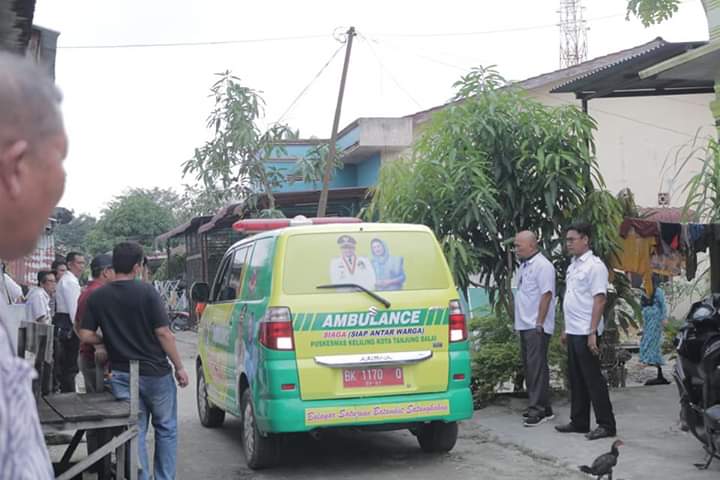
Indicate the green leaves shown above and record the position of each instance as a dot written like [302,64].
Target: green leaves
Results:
[311,167]
[651,12]
[492,164]
[232,164]
[139,215]
[703,190]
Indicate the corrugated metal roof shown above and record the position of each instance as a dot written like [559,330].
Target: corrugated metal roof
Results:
[565,76]
[617,74]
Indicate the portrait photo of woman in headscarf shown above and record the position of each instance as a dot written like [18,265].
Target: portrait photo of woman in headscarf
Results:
[389,270]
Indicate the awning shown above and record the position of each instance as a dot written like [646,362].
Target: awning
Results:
[229,214]
[701,65]
[622,78]
[193,224]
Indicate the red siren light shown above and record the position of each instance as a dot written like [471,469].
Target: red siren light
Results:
[264,224]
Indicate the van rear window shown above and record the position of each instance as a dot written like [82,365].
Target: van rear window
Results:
[378,261]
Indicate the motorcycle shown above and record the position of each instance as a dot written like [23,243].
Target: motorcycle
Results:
[697,375]
[181,321]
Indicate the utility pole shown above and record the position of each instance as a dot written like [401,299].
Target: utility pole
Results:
[573,33]
[332,148]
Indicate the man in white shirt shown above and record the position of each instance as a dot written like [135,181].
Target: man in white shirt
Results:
[585,294]
[67,344]
[10,291]
[351,268]
[535,322]
[32,148]
[37,305]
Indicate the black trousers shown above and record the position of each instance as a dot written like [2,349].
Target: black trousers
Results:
[67,347]
[587,386]
[534,349]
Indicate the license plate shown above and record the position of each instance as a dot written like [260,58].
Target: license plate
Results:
[372,377]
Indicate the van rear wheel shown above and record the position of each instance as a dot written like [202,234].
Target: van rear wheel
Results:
[261,451]
[437,436]
[210,415]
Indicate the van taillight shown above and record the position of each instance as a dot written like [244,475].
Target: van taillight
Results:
[276,330]
[458,327]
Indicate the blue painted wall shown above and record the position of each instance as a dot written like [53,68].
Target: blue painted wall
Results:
[368,170]
[360,174]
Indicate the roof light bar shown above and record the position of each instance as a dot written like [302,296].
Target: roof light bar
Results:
[262,224]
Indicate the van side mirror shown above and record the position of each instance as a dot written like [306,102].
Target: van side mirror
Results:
[200,292]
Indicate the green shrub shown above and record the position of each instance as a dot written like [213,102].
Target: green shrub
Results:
[496,354]
[669,333]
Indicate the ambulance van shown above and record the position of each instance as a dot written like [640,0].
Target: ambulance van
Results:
[314,324]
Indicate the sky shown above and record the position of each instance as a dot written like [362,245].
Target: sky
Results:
[135,114]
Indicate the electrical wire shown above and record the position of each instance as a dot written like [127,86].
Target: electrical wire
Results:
[488,32]
[307,87]
[192,44]
[419,55]
[619,115]
[387,70]
[310,37]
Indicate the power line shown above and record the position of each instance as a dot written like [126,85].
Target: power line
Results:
[310,37]
[419,55]
[307,87]
[488,32]
[387,70]
[619,115]
[192,44]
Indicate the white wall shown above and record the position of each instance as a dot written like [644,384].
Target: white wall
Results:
[641,141]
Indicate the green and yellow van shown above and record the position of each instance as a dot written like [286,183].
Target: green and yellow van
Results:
[312,327]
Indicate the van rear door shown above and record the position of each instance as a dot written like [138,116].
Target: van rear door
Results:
[350,343]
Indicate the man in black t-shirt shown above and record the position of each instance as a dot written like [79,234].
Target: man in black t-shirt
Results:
[134,325]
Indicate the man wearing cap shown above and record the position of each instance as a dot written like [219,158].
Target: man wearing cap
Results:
[102,274]
[350,268]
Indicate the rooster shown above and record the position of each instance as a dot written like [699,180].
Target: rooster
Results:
[603,465]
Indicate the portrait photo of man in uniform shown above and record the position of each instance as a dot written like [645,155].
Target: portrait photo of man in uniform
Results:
[349,267]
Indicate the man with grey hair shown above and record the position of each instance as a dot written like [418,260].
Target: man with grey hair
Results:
[535,322]
[32,148]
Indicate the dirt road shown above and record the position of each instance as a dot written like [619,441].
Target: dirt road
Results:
[217,454]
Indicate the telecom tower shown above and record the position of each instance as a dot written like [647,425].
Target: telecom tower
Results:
[573,33]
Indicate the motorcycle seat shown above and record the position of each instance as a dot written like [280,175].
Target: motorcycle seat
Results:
[713,414]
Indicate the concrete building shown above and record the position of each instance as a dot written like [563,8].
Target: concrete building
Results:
[363,146]
[642,142]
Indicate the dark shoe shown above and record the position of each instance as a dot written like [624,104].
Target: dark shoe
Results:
[600,432]
[657,381]
[570,428]
[548,413]
[535,420]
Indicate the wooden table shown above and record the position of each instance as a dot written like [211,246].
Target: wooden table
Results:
[114,420]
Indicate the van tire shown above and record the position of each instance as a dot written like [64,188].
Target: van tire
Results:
[437,437]
[210,415]
[261,451]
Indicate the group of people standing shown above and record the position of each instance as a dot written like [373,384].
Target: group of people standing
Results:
[583,304]
[117,310]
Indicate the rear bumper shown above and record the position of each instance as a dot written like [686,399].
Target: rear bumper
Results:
[296,415]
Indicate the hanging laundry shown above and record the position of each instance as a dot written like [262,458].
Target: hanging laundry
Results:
[642,228]
[698,240]
[670,235]
[635,257]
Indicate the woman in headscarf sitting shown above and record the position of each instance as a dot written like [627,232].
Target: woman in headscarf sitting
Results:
[389,271]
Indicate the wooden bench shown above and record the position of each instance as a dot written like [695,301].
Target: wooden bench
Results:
[82,412]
